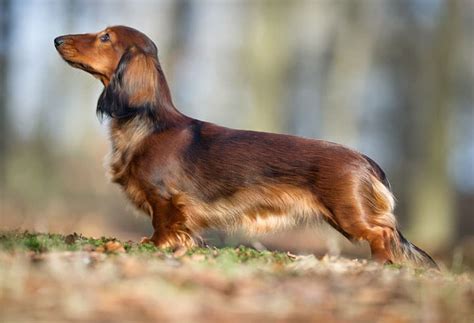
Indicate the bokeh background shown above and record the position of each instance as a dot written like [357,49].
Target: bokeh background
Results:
[391,78]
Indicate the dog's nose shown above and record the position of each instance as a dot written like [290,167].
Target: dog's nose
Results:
[58,41]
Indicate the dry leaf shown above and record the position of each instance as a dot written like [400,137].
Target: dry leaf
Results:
[114,246]
[71,238]
[181,251]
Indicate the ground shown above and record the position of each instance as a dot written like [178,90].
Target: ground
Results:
[50,277]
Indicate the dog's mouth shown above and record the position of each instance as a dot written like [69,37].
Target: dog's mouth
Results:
[74,57]
[68,55]
[81,66]
[85,67]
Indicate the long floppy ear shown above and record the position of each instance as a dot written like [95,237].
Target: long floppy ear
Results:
[133,88]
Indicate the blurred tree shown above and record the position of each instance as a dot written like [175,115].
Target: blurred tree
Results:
[355,36]
[399,56]
[5,24]
[181,11]
[268,61]
[432,204]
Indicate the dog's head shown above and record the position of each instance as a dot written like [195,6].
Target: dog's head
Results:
[126,62]
[100,54]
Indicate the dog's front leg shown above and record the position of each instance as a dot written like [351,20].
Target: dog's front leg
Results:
[169,226]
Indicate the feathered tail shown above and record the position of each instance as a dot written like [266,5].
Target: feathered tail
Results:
[404,250]
[383,203]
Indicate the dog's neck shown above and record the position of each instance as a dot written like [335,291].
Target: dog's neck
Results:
[167,114]
[140,93]
[149,114]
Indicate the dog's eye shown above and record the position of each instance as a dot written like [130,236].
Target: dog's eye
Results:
[104,38]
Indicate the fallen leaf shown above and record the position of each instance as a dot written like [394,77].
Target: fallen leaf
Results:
[71,238]
[181,251]
[114,246]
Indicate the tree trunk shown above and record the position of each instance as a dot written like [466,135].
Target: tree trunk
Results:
[5,14]
[353,53]
[432,217]
[268,56]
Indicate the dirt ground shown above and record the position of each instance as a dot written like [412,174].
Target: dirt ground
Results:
[49,278]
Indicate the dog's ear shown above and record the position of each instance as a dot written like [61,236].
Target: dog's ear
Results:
[133,87]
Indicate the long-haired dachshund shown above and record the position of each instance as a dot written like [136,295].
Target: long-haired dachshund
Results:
[188,175]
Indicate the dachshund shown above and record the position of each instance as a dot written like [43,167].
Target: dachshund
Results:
[188,175]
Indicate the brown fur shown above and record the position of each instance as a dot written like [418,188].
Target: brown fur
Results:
[188,175]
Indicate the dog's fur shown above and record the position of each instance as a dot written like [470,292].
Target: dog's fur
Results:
[188,175]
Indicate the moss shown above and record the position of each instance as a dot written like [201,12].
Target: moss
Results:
[394,266]
[44,242]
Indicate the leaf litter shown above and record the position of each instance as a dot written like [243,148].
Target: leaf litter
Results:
[49,277]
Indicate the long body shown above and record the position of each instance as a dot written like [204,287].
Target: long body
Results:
[188,175]
[228,178]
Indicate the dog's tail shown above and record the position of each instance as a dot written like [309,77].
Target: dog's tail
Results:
[402,250]
[405,251]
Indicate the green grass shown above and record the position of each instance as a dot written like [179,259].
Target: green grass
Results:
[44,242]
[15,241]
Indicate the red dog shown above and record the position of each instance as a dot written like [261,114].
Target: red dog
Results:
[188,175]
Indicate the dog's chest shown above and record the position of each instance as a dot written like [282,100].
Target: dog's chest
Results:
[144,163]
[126,139]
[135,188]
